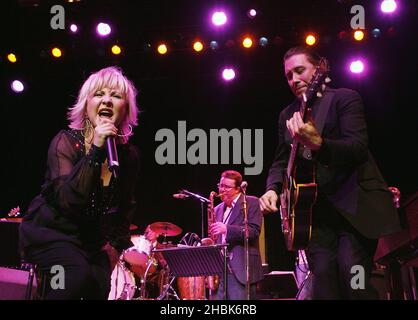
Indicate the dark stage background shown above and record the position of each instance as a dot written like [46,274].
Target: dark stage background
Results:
[184,85]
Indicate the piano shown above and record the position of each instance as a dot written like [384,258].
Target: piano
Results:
[398,253]
[9,242]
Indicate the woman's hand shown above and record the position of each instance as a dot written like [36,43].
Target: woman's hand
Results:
[103,129]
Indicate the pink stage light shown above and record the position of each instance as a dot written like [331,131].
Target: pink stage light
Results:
[219,18]
[103,29]
[228,74]
[388,6]
[73,28]
[357,66]
[17,86]
[252,13]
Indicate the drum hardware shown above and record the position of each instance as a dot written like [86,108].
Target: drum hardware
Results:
[190,239]
[140,272]
[168,290]
[151,262]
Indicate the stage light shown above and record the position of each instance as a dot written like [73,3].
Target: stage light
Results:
[376,33]
[214,45]
[310,40]
[247,42]
[228,74]
[56,52]
[197,46]
[12,57]
[162,49]
[252,13]
[103,29]
[388,6]
[263,41]
[358,35]
[219,18]
[116,49]
[147,47]
[357,66]
[17,86]
[73,28]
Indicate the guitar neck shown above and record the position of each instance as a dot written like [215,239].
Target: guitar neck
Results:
[296,144]
[292,157]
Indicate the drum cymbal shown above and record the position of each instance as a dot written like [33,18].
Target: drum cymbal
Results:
[166,228]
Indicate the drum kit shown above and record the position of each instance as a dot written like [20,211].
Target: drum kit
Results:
[141,273]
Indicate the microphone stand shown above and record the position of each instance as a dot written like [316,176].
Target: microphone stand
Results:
[202,209]
[246,244]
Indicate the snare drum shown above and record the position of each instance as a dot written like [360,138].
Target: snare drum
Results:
[139,256]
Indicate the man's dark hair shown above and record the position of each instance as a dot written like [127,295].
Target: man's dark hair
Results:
[311,55]
[234,175]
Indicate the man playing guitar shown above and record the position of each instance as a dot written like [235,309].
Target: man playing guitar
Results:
[350,205]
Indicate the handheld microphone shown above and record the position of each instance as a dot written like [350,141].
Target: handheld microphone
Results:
[112,156]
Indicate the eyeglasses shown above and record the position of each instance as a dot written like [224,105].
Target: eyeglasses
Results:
[224,186]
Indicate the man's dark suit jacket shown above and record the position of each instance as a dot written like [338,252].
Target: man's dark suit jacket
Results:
[347,174]
[235,238]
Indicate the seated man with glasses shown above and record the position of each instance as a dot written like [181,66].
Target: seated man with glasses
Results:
[229,229]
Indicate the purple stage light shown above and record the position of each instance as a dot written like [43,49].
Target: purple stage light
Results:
[388,6]
[228,74]
[219,18]
[73,28]
[252,13]
[17,86]
[103,29]
[357,66]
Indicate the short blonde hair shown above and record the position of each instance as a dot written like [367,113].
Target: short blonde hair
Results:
[113,78]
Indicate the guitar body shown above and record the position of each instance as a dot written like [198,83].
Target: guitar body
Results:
[296,201]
